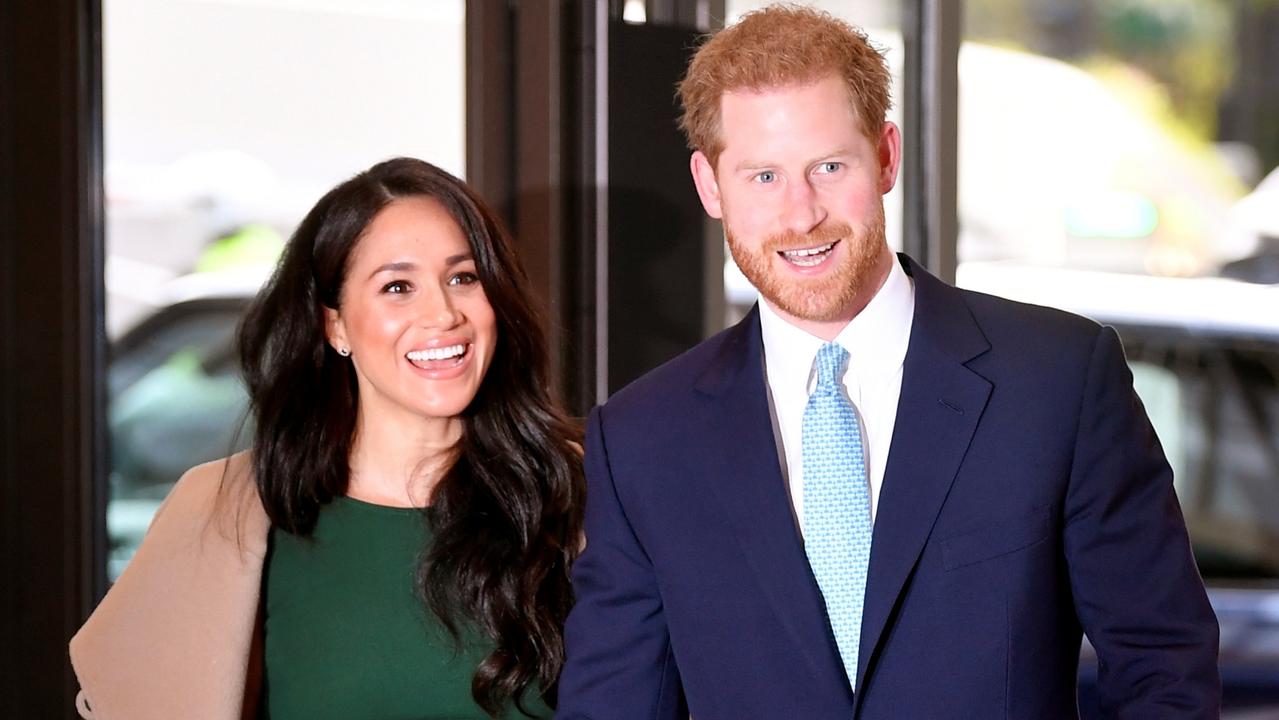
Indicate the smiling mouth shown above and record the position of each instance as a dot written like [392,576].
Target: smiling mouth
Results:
[440,358]
[808,257]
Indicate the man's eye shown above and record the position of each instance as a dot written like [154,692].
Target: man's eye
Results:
[829,167]
[396,287]
[464,278]
[767,176]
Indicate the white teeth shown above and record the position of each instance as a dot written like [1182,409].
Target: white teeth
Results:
[808,257]
[443,353]
[809,251]
[806,262]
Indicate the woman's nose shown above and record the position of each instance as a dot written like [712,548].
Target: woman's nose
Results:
[438,311]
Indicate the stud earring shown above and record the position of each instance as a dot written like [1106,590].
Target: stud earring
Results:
[344,352]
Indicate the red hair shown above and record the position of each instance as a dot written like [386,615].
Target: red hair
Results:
[781,45]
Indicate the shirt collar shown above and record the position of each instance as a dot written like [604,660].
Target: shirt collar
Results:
[876,339]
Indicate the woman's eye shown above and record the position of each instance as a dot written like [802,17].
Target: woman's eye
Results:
[464,278]
[396,287]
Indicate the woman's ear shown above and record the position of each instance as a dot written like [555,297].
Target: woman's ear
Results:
[335,331]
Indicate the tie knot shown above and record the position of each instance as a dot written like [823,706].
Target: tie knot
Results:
[831,360]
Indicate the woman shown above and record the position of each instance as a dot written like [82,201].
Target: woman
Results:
[420,492]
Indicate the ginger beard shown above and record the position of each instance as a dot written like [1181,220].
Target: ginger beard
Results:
[825,297]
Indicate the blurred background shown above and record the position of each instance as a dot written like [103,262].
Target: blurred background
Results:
[1117,159]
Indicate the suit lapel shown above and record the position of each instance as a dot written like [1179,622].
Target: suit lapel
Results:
[748,484]
[941,403]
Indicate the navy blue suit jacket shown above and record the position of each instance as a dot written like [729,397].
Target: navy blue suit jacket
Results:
[1025,500]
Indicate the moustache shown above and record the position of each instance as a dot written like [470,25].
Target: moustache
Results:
[820,235]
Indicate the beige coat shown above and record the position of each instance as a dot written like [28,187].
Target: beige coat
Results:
[176,637]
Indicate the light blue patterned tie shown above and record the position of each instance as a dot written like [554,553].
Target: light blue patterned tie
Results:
[837,522]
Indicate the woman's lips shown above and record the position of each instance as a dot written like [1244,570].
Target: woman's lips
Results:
[439,362]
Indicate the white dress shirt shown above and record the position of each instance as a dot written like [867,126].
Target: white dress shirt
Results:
[876,342]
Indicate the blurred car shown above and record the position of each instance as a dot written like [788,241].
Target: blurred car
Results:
[174,397]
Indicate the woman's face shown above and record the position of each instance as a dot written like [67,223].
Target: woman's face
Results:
[413,314]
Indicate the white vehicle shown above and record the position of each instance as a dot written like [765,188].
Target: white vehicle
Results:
[175,398]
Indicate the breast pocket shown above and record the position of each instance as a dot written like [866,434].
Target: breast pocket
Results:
[994,540]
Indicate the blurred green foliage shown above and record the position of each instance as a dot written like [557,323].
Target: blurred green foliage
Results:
[1184,45]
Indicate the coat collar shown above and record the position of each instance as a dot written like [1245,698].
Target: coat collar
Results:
[941,403]
[749,488]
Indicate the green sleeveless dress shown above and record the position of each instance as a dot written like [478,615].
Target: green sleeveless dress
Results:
[346,634]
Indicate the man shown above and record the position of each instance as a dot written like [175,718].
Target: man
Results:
[877,496]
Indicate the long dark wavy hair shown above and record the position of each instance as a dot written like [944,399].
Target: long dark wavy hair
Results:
[507,515]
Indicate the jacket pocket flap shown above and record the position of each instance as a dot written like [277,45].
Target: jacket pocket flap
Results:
[994,539]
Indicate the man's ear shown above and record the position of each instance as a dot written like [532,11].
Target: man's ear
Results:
[890,156]
[707,184]
[335,329]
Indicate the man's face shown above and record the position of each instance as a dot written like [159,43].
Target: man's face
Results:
[800,190]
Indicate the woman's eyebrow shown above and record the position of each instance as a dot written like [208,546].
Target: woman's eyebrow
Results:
[400,266]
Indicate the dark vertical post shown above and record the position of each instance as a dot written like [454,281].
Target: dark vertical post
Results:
[585,232]
[932,30]
[1249,107]
[531,151]
[538,112]
[51,346]
[656,233]
[490,127]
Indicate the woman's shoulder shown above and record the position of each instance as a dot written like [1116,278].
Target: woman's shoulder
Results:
[175,631]
[207,481]
[223,493]
[237,468]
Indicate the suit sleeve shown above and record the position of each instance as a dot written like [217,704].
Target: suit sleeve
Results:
[1137,591]
[619,658]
